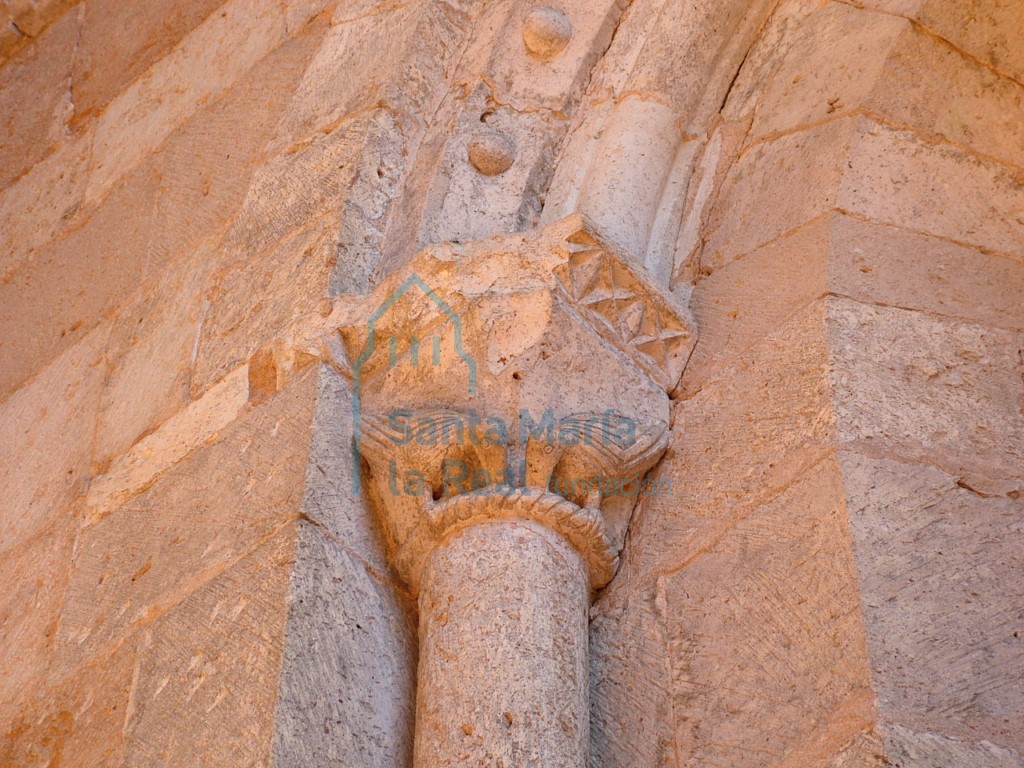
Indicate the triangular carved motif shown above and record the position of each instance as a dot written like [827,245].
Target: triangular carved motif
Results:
[635,320]
[586,268]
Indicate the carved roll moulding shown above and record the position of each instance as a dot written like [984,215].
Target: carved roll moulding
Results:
[510,400]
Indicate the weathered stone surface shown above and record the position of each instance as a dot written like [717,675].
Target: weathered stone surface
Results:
[927,85]
[137,121]
[35,575]
[185,192]
[120,41]
[414,46]
[691,43]
[760,635]
[195,521]
[754,427]
[208,669]
[881,264]
[942,608]
[186,431]
[988,31]
[76,721]
[33,16]
[47,428]
[906,748]
[861,167]
[632,681]
[810,165]
[348,678]
[863,260]
[895,177]
[266,298]
[206,166]
[768,621]
[529,100]
[712,162]
[31,128]
[502,676]
[151,349]
[841,59]
[815,62]
[64,290]
[466,204]
[928,388]
[202,163]
[331,499]
[730,307]
[866,751]
[293,189]
[37,207]
[379,169]
[10,35]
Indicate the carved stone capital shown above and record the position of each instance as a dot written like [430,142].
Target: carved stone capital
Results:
[431,474]
[523,376]
[510,397]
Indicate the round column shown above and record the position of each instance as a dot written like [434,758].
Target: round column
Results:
[502,678]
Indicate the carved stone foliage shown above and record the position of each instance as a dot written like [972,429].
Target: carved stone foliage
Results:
[435,472]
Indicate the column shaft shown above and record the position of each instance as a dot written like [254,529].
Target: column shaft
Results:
[502,678]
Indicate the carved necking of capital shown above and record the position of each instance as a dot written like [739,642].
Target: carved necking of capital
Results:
[579,478]
[552,332]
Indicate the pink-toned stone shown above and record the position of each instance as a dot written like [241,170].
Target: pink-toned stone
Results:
[941,607]
[33,16]
[859,259]
[895,177]
[825,62]
[749,212]
[208,669]
[754,426]
[64,290]
[414,44]
[186,431]
[197,519]
[716,36]
[34,100]
[77,720]
[42,204]
[120,41]
[730,306]
[152,346]
[927,388]
[865,751]
[881,264]
[758,636]
[46,429]
[265,299]
[138,120]
[207,165]
[988,31]
[34,574]
[841,59]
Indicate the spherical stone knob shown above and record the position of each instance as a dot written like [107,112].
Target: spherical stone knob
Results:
[546,32]
[491,152]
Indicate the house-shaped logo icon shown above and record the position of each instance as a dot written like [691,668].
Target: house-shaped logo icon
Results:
[421,352]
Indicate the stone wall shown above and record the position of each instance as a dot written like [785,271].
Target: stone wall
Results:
[194,190]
